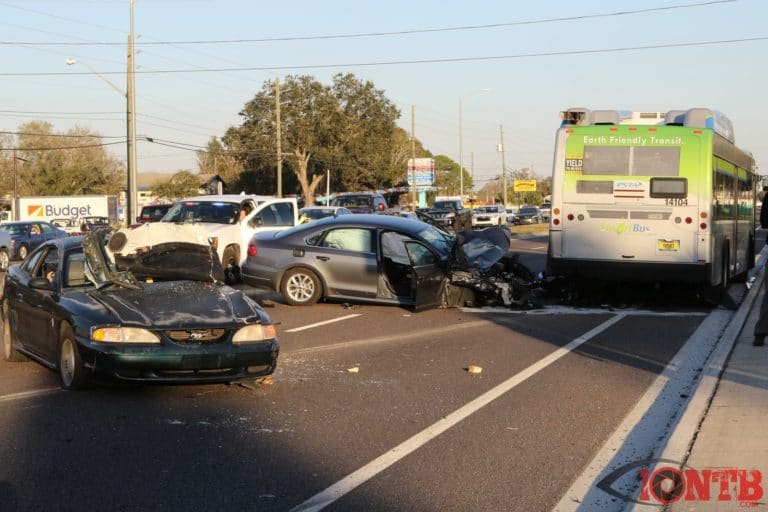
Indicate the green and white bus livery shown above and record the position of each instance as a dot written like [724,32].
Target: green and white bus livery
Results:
[648,196]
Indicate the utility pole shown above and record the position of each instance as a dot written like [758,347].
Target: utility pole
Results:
[131,120]
[472,171]
[279,140]
[327,187]
[413,156]
[503,167]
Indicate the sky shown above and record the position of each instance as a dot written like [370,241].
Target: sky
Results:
[500,64]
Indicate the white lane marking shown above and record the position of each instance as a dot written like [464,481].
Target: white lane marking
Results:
[29,394]
[423,333]
[566,310]
[376,466]
[326,322]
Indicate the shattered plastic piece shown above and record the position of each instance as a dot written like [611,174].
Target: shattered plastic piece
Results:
[354,369]
[474,370]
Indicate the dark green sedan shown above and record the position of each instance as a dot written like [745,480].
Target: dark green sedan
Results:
[159,316]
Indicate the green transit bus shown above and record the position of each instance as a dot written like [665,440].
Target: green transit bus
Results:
[649,196]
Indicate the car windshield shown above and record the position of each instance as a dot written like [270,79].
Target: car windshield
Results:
[203,211]
[353,201]
[546,206]
[440,240]
[488,209]
[14,229]
[444,205]
[527,211]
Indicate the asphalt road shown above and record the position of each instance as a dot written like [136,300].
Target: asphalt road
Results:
[275,447]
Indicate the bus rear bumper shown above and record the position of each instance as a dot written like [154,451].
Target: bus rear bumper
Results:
[629,271]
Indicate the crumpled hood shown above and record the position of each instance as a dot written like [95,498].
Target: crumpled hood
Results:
[481,249]
[156,305]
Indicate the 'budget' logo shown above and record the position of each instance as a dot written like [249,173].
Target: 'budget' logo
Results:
[35,210]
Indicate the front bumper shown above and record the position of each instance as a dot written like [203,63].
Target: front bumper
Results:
[177,364]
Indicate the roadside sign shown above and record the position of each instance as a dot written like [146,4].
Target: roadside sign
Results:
[525,186]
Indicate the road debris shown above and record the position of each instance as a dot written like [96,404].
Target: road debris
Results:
[354,369]
[474,370]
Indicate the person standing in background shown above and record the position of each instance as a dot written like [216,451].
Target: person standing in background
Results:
[761,327]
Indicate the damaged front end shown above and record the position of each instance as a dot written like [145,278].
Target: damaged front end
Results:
[483,272]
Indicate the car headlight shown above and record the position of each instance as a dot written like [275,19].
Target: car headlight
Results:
[450,215]
[123,335]
[254,333]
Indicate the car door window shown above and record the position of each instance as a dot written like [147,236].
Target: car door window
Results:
[47,230]
[29,265]
[276,214]
[75,269]
[393,247]
[348,239]
[419,254]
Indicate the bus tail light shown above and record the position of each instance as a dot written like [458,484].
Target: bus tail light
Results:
[688,220]
[703,215]
[556,222]
[703,225]
[570,216]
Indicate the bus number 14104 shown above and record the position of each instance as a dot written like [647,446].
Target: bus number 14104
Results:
[676,201]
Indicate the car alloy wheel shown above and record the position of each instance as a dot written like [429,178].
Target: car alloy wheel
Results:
[71,370]
[23,251]
[9,353]
[4,260]
[301,287]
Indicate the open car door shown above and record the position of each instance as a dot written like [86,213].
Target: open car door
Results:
[427,276]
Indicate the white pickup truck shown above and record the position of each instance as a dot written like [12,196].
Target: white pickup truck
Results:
[231,220]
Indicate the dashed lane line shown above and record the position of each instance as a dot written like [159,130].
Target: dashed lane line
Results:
[29,394]
[326,322]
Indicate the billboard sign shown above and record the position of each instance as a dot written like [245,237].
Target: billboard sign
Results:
[425,171]
[525,185]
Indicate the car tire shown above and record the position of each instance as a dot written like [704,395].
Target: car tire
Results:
[231,264]
[5,259]
[301,287]
[10,354]
[72,372]
[23,251]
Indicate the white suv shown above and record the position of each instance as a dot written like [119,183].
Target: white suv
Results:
[494,215]
[227,220]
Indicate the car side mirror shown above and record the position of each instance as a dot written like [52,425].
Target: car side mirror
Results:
[257,221]
[40,283]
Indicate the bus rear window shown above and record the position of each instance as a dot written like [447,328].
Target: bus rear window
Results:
[669,187]
[631,161]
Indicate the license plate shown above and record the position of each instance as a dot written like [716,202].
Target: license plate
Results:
[669,245]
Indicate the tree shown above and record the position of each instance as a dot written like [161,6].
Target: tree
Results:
[217,160]
[348,128]
[448,182]
[181,184]
[74,163]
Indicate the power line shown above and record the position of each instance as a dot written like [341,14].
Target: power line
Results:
[64,147]
[417,61]
[64,135]
[392,33]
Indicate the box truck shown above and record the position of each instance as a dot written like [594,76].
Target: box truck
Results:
[47,208]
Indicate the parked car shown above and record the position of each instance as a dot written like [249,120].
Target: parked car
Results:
[153,212]
[310,213]
[28,235]
[361,202]
[545,209]
[512,216]
[529,215]
[5,250]
[230,219]
[484,216]
[387,259]
[451,214]
[159,316]
[93,223]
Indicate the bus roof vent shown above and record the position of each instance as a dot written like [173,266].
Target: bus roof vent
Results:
[576,116]
[712,119]
[675,118]
[605,117]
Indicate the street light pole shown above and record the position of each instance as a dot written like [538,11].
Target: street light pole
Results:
[503,166]
[279,140]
